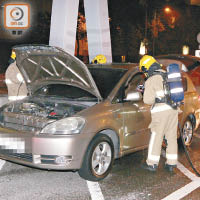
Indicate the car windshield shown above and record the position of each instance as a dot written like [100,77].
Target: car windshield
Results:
[106,78]
[64,91]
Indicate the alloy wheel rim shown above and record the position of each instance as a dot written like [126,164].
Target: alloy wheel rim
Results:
[101,158]
[187,132]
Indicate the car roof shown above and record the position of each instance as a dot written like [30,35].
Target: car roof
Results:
[189,61]
[178,56]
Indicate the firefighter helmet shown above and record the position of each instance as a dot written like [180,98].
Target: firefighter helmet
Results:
[13,55]
[99,59]
[145,63]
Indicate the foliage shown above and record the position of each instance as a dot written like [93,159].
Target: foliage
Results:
[126,28]
[166,32]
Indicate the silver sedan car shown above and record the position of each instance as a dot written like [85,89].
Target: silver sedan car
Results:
[79,118]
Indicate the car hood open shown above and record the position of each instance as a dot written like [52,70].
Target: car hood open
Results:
[42,64]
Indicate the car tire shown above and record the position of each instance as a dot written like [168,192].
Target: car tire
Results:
[98,159]
[188,130]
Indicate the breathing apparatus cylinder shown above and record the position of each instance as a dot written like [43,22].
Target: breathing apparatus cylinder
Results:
[175,83]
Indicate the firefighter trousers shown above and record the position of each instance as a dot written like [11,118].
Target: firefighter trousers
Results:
[164,123]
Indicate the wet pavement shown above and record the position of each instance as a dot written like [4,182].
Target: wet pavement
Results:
[127,181]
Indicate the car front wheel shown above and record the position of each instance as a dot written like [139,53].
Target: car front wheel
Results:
[98,159]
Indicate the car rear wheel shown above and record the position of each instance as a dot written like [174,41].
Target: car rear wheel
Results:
[98,159]
[188,130]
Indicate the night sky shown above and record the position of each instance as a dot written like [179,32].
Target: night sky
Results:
[131,21]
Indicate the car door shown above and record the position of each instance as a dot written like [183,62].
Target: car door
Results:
[136,117]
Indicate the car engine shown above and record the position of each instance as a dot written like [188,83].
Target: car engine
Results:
[34,114]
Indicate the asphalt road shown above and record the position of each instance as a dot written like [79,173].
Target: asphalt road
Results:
[127,181]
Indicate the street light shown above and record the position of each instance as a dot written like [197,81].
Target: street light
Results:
[185,50]
[157,26]
[143,49]
[167,9]
[171,16]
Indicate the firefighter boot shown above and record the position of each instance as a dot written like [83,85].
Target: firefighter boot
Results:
[151,168]
[170,168]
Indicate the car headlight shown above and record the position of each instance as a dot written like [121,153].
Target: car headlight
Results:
[67,126]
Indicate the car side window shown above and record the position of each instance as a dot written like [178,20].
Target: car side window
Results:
[135,83]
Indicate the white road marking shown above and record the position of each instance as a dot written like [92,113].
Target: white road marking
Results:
[96,193]
[187,172]
[187,189]
[184,191]
[2,162]
[95,190]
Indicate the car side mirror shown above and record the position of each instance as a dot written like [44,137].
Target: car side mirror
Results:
[133,96]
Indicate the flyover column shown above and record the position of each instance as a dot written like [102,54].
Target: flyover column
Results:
[98,29]
[63,24]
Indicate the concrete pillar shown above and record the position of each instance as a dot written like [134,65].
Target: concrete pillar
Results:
[98,29]
[63,24]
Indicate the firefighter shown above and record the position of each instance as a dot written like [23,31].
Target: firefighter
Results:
[15,83]
[164,118]
[99,59]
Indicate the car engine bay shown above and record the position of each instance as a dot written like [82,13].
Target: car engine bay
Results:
[32,114]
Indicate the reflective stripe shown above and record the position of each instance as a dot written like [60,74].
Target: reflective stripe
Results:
[174,75]
[147,60]
[150,156]
[176,90]
[8,81]
[160,93]
[172,156]
[13,98]
[154,158]
[160,108]
[19,77]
